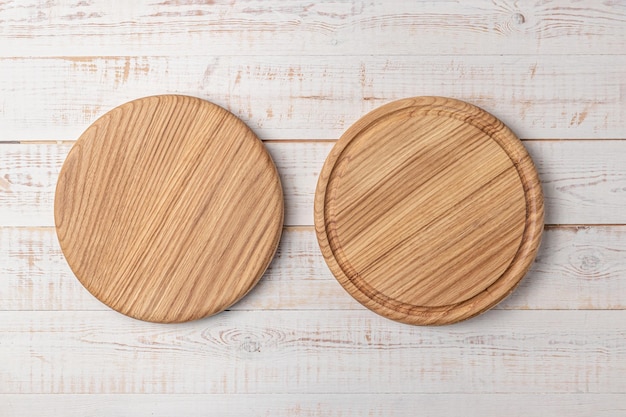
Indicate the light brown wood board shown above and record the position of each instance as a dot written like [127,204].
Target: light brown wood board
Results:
[168,209]
[429,210]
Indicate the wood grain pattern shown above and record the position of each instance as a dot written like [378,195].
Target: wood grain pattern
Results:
[168,209]
[301,27]
[319,97]
[576,268]
[295,352]
[317,405]
[584,182]
[429,210]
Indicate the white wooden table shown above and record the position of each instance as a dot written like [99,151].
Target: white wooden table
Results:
[299,73]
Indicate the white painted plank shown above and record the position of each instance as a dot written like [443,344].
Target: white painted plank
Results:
[316,405]
[296,27]
[576,268]
[313,352]
[318,97]
[28,176]
[584,182]
[35,276]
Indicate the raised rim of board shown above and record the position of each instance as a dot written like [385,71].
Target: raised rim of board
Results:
[523,258]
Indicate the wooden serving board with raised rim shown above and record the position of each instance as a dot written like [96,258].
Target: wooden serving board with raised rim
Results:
[168,209]
[429,211]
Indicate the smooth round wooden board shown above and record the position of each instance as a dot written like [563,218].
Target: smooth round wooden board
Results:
[429,211]
[168,209]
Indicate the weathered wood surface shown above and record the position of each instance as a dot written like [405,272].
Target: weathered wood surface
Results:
[584,182]
[326,352]
[315,405]
[318,97]
[300,27]
[554,71]
[576,268]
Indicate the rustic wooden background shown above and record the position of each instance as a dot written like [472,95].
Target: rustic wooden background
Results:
[299,73]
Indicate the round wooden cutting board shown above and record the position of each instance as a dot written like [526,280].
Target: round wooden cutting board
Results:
[429,211]
[168,209]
